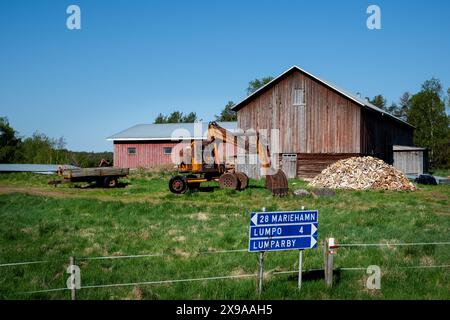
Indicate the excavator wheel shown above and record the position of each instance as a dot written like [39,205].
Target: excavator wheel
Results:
[277,183]
[229,181]
[243,179]
[178,184]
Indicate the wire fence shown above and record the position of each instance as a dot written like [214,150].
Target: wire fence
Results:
[342,245]
[223,277]
[149,255]
[253,275]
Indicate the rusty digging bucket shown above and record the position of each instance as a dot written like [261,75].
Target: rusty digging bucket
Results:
[277,183]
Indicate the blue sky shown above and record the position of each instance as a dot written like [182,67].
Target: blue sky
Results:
[134,59]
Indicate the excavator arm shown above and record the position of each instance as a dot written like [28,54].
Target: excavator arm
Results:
[275,181]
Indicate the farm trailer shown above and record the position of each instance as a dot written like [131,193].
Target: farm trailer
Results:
[106,177]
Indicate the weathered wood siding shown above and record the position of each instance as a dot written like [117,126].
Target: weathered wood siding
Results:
[410,162]
[310,165]
[379,134]
[327,123]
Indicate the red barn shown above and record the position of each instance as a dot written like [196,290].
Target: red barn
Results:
[152,145]
[319,123]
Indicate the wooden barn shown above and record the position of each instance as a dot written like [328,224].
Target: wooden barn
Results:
[319,123]
[152,145]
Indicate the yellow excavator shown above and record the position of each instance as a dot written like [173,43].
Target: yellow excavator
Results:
[195,168]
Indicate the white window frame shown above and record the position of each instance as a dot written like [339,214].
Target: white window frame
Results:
[167,153]
[131,153]
[299,97]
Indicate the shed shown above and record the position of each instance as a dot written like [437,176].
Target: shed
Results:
[410,160]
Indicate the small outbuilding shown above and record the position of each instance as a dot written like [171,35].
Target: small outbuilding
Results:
[411,160]
[152,145]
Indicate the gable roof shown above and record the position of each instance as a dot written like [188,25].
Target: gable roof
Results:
[168,131]
[354,98]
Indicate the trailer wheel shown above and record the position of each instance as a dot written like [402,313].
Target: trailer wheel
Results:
[178,185]
[109,182]
[243,179]
[229,181]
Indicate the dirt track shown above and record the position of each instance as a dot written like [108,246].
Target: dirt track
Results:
[33,191]
[64,194]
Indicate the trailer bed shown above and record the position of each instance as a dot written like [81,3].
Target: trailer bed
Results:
[103,176]
[96,172]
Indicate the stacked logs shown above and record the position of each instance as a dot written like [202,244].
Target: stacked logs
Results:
[362,173]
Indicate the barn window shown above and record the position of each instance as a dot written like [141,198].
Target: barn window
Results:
[299,97]
[131,150]
[167,150]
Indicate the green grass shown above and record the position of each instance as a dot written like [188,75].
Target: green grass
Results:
[40,222]
[441,172]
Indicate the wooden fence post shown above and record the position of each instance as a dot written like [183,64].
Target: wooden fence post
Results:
[73,279]
[328,263]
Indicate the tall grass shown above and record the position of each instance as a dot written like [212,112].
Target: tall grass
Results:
[144,217]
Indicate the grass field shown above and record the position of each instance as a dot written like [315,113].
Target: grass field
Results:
[40,222]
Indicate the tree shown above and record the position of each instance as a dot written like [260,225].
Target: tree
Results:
[404,105]
[37,149]
[257,83]
[393,109]
[379,101]
[189,118]
[427,114]
[160,119]
[8,141]
[433,85]
[176,117]
[227,113]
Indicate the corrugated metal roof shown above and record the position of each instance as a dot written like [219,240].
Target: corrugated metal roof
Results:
[169,131]
[38,168]
[360,101]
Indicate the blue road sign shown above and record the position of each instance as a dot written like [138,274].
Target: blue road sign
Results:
[288,230]
[286,217]
[275,244]
[275,231]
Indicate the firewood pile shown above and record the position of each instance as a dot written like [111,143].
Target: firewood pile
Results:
[361,173]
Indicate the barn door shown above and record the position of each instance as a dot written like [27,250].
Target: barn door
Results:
[290,165]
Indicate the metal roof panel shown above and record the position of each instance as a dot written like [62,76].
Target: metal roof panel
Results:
[169,131]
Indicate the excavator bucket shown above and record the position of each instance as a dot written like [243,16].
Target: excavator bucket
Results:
[277,183]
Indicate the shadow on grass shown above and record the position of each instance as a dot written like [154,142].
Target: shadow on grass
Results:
[93,185]
[212,188]
[314,275]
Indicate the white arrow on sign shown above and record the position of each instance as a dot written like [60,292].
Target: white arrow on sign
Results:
[254,219]
[313,241]
[313,229]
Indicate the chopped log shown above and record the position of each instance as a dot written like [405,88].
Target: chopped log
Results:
[362,173]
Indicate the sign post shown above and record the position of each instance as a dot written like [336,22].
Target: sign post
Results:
[282,230]
[261,267]
[261,272]
[300,262]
